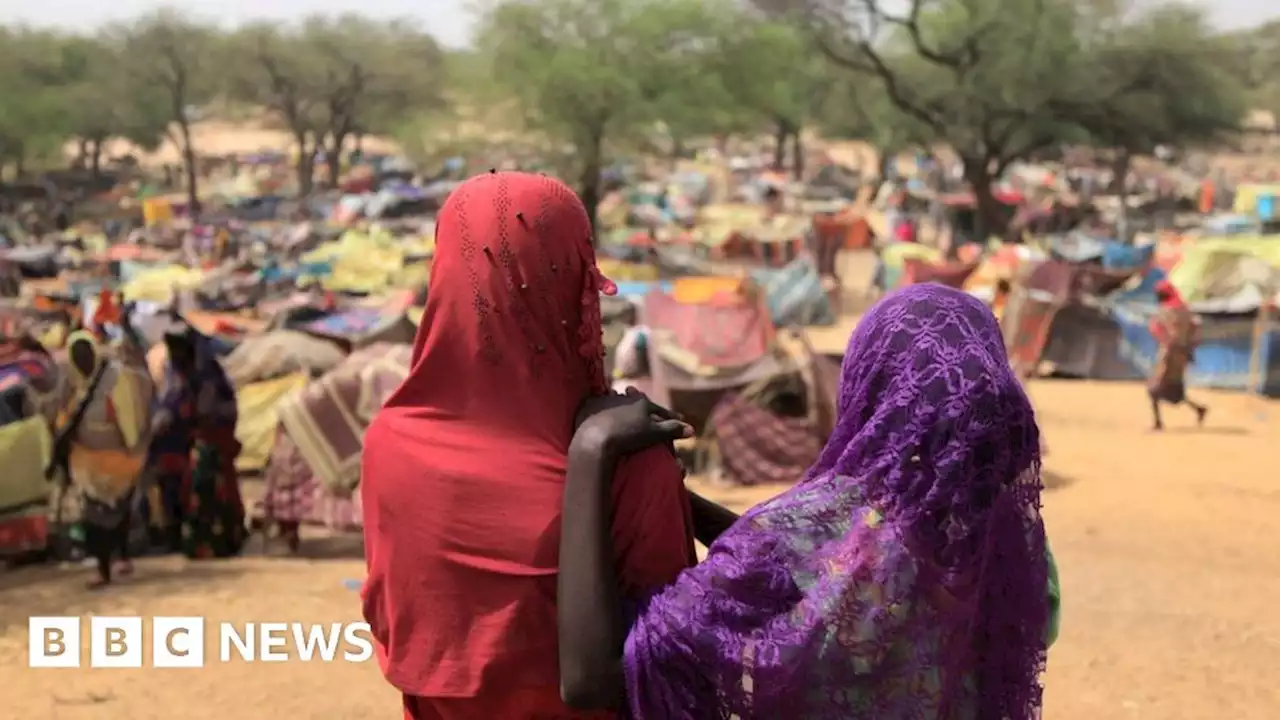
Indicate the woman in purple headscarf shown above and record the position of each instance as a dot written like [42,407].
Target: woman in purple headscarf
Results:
[906,575]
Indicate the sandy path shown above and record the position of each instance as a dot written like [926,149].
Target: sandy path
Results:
[1167,547]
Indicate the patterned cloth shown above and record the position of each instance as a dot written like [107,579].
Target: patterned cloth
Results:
[758,447]
[295,496]
[1176,330]
[213,526]
[906,576]
[723,336]
[195,457]
[327,419]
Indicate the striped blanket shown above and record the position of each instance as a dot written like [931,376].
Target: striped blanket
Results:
[328,418]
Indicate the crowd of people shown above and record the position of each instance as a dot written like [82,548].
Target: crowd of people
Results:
[530,541]
[132,444]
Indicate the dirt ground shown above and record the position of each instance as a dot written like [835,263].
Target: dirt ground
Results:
[1166,542]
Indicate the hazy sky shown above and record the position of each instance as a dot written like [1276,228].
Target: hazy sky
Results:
[449,20]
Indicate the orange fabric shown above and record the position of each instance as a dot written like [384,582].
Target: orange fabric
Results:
[107,311]
[1206,197]
[463,469]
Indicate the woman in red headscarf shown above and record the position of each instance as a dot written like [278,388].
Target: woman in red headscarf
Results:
[463,469]
[1177,332]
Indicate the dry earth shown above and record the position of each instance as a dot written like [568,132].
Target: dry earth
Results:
[1166,542]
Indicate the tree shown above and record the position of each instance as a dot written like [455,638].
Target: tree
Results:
[771,70]
[272,68]
[1189,97]
[1255,60]
[996,80]
[101,103]
[31,108]
[332,79]
[587,71]
[175,58]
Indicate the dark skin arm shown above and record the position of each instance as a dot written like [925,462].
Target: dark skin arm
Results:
[710,519]
[592,627]
[591,624]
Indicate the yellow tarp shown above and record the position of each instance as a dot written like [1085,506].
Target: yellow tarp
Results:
[157,285]
[896,255]
[25,449]
[1247,195]
[715,223]
[619,271]
[1207,258]
[699,290]
[368,262]
[156,211]
[256,429]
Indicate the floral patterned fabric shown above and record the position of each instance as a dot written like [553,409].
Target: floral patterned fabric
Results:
[213,524]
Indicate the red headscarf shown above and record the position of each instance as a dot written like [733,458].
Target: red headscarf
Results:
[463,469]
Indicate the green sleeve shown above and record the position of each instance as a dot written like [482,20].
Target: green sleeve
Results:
[1055,598]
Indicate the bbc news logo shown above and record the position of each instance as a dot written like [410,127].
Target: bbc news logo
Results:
[179,642]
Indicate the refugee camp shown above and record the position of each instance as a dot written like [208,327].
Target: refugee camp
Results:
[653,359]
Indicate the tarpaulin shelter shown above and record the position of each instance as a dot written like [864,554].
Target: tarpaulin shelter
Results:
[1028,321]
[1218,266]
[697,351]
[361,327]
[327,419]
[280,352]
[795,295]
[1237,351]
[256,425]
[771,431]
[896,255]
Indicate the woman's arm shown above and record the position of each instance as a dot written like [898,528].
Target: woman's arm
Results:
[710,520]
[592,629]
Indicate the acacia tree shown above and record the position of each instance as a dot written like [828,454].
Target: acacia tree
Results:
[272,70]
[176,58]
[770,69]
[331,79]
[1190,96]
[996,80]
[376,75]
[590,71]
[31,99]
[101,103]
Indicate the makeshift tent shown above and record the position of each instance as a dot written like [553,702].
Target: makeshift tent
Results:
[25,449]
[361,327]
[256,426]
[795,295]
[704,349]
[280,352]
[895,258]
[772,430]
[328,419]
[1219,266]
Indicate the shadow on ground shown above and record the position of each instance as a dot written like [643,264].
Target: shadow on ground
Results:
[59,590]
[1055,481]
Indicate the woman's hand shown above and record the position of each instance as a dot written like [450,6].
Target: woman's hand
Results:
[625,424]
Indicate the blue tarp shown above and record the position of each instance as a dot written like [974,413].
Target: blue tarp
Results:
[1119,256]
[640,289]
[1221,361]
[794,294]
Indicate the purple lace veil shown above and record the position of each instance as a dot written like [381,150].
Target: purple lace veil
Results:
[904,577]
